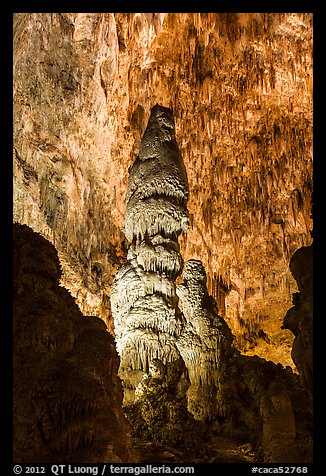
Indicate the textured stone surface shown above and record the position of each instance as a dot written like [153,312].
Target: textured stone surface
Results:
[240,397]
[179,367]
[143,298]
[240,86]
[160,412]
[204,344]
[67,395]
[299,319]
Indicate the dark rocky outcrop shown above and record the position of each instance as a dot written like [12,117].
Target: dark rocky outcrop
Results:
[299,318]
[244,398]
[160,413]
[67,395]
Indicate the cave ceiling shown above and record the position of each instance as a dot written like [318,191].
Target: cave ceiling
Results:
[240,87]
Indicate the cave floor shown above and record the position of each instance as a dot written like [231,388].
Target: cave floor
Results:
[217,450]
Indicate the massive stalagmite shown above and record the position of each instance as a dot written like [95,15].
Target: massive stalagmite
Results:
[143,296]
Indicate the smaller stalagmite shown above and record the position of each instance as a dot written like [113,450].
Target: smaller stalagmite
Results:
[143,297]
[205,342]
[243,397]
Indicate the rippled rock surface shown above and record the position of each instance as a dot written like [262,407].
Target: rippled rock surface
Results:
[143,296]
[67,396]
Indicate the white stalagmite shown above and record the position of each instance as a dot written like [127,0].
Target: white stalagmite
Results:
[151,216]
[143,296]
[159,258]
[144,300]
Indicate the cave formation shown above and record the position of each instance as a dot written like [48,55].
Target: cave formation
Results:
[193,216]
[178,367]
[67,395]
[143,296]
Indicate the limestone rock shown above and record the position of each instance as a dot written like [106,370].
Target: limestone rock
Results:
[279,426]
[67,395]
[299,318]
[204,343]
[242,397]
[238,396]
[160,409]
[240,87]
[143,298]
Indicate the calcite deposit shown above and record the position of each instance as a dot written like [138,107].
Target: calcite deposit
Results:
[242,397]
[98,173]
[179,366]
[204,344]
[143,299]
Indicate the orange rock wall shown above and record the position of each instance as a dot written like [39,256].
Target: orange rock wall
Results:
[240,86]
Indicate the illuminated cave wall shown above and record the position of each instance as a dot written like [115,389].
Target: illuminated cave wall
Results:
[240,86]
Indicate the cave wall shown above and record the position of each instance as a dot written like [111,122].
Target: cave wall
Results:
[240,86]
